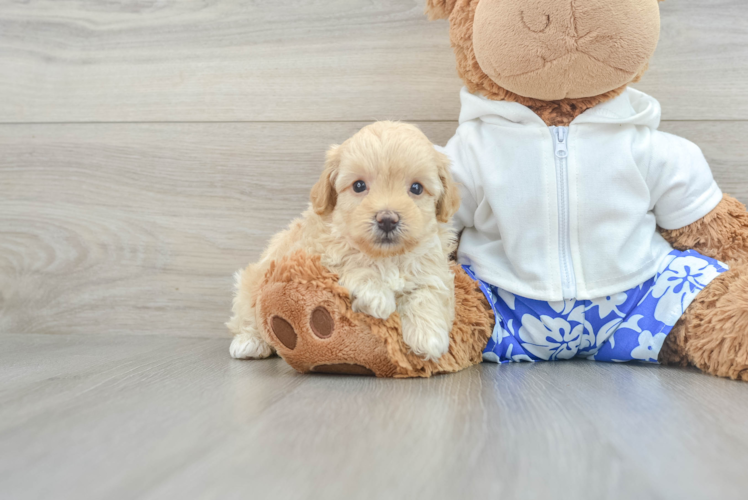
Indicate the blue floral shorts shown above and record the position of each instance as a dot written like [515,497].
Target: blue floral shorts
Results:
[626,326]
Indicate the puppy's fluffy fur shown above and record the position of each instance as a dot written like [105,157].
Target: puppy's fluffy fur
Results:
[405,269]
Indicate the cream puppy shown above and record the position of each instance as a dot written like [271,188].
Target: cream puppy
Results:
[379,219]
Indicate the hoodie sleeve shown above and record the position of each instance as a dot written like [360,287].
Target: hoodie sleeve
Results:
[463,177]
[680,181]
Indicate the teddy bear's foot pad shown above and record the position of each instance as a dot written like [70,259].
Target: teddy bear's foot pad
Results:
[306,316]
[321,323]
[307,324]
[284,331]
[343,369]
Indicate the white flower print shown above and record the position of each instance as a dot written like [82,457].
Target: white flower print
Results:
[606,332]
[609,304]
[491,357]
[666,263]
[507,297]
[509,328]
[492,296]
[517,357]
[565,329]
[632,323]
[499,332]
[649,346]
[566,308]
[550,338]
[577,314]
[588,337]
[563,307]
[678,285]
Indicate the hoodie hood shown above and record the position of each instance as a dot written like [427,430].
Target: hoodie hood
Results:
[631,107]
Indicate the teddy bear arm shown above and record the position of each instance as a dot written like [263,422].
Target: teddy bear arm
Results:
[307,317]
[439,9]
[722,234]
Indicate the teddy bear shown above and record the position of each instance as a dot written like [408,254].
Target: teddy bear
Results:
[306,316]
[585,231]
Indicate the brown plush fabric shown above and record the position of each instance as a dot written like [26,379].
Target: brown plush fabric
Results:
[551,49]
[307,317]
[713,333]
[439,9]
[330,337]
[721,235]
[559,113]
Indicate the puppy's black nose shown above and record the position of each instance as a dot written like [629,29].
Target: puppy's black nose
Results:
[387,221]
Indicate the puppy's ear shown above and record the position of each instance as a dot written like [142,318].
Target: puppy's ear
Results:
[323,194]
[439,9]
[449,202]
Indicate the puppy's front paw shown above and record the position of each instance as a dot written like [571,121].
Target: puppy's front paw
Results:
[426,338]
[377,304]
[247,346]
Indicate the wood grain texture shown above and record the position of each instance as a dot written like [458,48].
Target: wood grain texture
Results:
[153,418]
[302,60]
[124,236]
[138,228]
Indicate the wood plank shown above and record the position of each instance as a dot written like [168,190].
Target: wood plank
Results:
[153,417]
[137,228]
[701,64]
[294,60]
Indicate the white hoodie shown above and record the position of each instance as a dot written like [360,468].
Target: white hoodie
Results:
[571,212]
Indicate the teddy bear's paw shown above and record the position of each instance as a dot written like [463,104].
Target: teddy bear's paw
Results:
[248,346]
[425,338]
[378,304]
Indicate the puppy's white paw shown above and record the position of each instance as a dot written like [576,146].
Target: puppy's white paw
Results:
[246,346]
[377,304]
[424,338]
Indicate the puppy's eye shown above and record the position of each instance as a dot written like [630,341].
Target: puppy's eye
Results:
[359,186]
[416,188]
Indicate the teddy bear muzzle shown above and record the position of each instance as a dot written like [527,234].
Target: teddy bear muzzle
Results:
[552,50]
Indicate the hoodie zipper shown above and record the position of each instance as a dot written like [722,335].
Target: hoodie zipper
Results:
[561,153]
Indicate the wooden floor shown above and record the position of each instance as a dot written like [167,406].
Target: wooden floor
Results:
[92,417]
[149,149]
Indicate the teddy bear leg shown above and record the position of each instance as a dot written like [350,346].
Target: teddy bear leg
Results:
[713,333]
[311,326]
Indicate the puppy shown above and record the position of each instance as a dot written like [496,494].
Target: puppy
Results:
[379,219]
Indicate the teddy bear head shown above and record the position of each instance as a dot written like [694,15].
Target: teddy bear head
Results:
[559,57]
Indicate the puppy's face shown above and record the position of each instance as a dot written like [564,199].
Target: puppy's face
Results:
[386,189]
